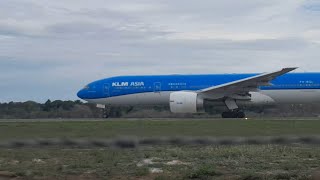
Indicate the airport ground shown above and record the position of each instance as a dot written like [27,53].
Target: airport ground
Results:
[295,161]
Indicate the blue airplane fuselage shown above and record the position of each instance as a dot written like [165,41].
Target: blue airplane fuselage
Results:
[129,85]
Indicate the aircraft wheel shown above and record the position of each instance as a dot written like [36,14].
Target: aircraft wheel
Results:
[241,114]
[233,114]
[105,113]
[225,115]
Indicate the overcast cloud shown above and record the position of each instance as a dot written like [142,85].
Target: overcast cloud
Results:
[50,49]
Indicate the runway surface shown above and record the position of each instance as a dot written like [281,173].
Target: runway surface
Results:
[154,119]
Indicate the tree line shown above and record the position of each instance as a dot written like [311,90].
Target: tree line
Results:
[78,109]
[49,109]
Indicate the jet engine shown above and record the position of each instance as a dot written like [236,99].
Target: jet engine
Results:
[186,102]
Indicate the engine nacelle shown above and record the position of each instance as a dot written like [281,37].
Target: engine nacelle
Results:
[186,102]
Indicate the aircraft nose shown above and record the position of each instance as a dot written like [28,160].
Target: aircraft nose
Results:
[80,94]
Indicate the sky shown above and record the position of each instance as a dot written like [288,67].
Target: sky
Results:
[51,49]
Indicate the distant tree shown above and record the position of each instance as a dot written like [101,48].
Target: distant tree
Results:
[56,104]
[68,105]
[47,105]
[31,106]
[78,102]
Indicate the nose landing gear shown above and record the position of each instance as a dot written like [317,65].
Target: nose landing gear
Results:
[105,110]
[105,113]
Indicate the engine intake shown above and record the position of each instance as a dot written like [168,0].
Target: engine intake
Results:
[186,102]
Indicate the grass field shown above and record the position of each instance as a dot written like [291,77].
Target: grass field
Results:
[161,162]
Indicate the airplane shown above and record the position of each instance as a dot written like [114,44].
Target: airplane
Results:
[192,93]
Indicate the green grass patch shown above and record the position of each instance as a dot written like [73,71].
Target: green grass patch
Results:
[156,128]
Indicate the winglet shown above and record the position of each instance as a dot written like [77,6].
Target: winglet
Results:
[289,69]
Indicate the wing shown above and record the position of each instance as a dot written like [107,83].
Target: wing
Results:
[243,86]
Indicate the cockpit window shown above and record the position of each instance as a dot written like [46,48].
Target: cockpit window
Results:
[86,87]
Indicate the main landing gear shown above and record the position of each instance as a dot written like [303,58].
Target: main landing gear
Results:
[233,114]
[234,111]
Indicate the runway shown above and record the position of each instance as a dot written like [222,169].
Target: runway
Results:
[157,119]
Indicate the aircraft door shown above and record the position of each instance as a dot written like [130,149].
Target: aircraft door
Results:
[157,87]
[106,90]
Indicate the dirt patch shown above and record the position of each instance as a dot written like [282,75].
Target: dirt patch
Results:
[316,175]
[7,175]
[146,162]
[13,162]
[176,162]
[155,170]
[38,161]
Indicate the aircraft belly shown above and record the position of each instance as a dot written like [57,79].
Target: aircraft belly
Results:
[149,98]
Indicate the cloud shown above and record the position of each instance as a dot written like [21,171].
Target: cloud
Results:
[50,49]
[312,5]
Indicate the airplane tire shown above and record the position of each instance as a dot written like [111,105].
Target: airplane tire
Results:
[231,114]
[226,115]
[241,114]
[105,113]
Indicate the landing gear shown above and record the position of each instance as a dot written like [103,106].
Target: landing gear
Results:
[234,111]
[106,112]
[233,114]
